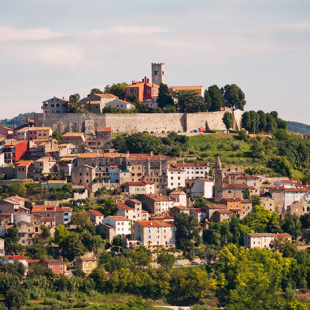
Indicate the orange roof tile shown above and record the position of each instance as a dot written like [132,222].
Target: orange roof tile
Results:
[73,134]
[96,212]
[154,223]
[119,218]
[124,206]
[24,163]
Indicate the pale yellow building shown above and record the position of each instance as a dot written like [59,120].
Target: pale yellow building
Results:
[39,133]
[87,264]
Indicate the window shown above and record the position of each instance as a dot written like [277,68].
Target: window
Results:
[128,91]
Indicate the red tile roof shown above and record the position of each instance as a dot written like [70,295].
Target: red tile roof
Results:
[96,212]
[10,257]
[119,218]
[48,219]
[124,206]
[136,183]
[154,223]
[24,163]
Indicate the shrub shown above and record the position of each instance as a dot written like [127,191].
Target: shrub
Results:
[219,154]
[220,146]
[71,300]
[50,302]
[239,154]
[228,147]
[235,146]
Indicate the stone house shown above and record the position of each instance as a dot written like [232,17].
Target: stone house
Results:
[142,187]
[179,198]
[36,221]
[43,165]
[83,175]
[298,208]
[278,194]
[236,190]
[6,218]
[100,141]
[96,216]
[156,204]
[58,266]
[121,104]
[87,264]
[25,233]
[132,210]
[61,215]
[55,105]
[22,169]
[221,215]
[148,167]
[151,233]
[75,138]
[211,208]
[107,230]
[246,208]
[179,209]
[268,203]
[15,203]
[199,214]
[21,216]
[96,102]
[232,168]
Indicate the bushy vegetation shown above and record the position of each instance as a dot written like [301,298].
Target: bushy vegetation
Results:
[16,121]
[298,127]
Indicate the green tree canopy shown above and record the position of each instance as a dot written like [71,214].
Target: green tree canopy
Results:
[228,120]
[164,98]
[234,97]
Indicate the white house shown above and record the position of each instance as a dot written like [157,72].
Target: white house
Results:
[1,159]
[10,259]
[121,104]
[121,224]
[2,247]
[176,177]
[284,183]
[114,174]
[262,240]
[22,216]
[202,188]
[200,214]
[179,198]
[194,170]
[294,195]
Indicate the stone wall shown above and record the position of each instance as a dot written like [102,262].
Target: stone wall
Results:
[131,123]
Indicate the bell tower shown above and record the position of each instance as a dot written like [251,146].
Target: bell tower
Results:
[158,73]
[218,182]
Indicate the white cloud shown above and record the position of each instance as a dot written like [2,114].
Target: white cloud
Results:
[42,33]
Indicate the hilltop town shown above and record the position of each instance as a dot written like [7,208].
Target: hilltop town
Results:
[155,178]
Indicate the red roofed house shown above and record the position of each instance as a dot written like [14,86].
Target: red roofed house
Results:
[142,187]
[58,266]
[10,259]
[144,90]
[156,204]
[122,225]
[194,170]
[14,151]
[179,198]
[154,233]
[61,215]
[22,169]
[5,131]
[199,214]
[96,216]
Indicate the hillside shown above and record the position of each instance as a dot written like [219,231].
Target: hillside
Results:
[298,127]
[17,120]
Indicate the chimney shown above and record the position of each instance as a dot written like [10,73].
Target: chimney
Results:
[147,80]
[63,97]
[151,223]
[127,152]
[151,153]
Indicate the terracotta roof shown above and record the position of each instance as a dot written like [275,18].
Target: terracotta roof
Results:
[154,223]
[88,258]
[91,155]
[176,169]
[103,129]
[282,235]
[73,134]
[224,211]
[106,95]
[181,88]
[158,197]
[6,214]
[303,189]
[177,193]
[135,183]
[13,143]
[234,210]
[40,128]
[119,218]
[135,201]
[198,210]
[6,128]
[214,206]
[48,219]
[10,257]
[286,181]
[261,235]
[19,198]
[31,261]
[246,201]
[96,212]
[8,226]
[192,164]
[145,157]
[124,206]
[54,261]
[163,217]
[181,207]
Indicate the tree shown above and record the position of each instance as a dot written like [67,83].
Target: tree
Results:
[96,91]
[217,101]
[82,221]
[78,272]
[228,120]
[305,220]
[15,269]
[188,101]
[262,120]
[166,260]
[45,232]
[11,241]
[99,277]
[74,98]
[234,97]
[254,121]
[14,299]
[207,100]
[117,90]
[255,200]
[132,98]
[58,136]
[246,194]
[292,225]
[271,123]
[72,246]
[186,228]
[164,99]
[61,233]
[246,121]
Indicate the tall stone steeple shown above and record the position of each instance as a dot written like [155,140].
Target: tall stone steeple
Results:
[218,182]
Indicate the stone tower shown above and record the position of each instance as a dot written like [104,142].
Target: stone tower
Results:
[158,73]
[218,181]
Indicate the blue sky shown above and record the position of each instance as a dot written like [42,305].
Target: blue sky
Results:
[57,48]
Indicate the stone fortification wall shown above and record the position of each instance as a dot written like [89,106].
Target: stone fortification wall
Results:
[207,120]
[131,123]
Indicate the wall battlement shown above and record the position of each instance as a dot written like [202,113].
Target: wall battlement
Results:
[136,122]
